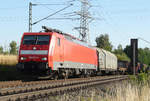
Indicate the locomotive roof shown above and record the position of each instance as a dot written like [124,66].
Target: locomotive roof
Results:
[67,36]
[106,52]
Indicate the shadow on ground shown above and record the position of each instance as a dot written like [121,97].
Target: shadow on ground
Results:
[9,73]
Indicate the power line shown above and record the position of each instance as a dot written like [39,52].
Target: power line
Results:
[144,40]
[30,15]
[13,8]
[52,14]
[52,4]
[84,17]
[49,4]
[63,19]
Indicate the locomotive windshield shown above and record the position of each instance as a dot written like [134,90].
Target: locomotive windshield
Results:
[36,39]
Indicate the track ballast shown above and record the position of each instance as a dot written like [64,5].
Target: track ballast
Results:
[39,89]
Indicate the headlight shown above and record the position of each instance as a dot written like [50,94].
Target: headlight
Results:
[44,58]
[23,58]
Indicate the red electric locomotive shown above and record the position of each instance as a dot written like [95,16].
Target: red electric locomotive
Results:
[56,54]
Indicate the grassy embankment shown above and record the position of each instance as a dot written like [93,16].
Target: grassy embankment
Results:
[8,67]
[136,89]
[8,60]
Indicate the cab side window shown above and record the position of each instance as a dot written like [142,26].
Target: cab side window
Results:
[58,41]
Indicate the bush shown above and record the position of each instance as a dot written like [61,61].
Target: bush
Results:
[140,79]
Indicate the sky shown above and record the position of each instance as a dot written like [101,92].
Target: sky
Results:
[120,19]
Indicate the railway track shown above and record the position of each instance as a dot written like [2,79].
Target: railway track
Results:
[38,89]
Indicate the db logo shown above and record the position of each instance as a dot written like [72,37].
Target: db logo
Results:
[34,48]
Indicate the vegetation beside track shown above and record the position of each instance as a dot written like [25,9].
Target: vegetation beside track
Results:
[135,89]
[8,68]
[119,92]
[55,87]
[140,79]
[8,60]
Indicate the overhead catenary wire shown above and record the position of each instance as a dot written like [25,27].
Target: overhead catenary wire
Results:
[52,4]
[48,4]
[52,14]
[63,18]
[12,8]
[144,40]
[83,15]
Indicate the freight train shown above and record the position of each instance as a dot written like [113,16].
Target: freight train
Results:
[59,55]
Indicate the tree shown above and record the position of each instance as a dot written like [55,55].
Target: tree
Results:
[121,55]
[1,50]
[103,42]
[144,55]
[13,47]
[119,50]
[127,50]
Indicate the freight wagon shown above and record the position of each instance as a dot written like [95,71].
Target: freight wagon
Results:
[107,61]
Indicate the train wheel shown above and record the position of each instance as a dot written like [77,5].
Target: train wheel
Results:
[63,74]
[66,74]
[84,74]
[81,76]
[55,77]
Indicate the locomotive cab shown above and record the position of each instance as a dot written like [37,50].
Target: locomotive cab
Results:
[33,52]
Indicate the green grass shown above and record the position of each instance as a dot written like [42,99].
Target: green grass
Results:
[140,79]
[121,91]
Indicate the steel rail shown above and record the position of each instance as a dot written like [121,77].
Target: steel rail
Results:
[19,83]
[43,90]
